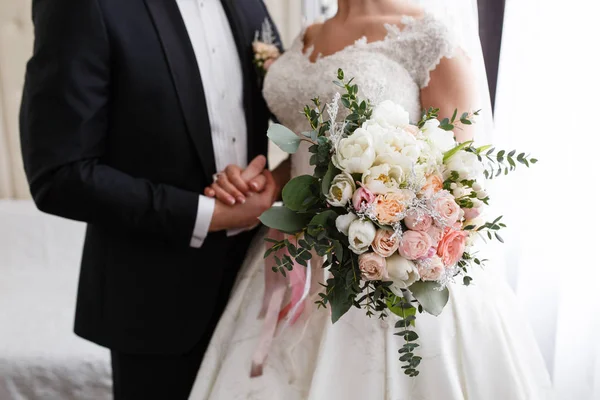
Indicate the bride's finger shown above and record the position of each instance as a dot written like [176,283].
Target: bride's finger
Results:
[258,184]
[222,195]
[234,174]
[228,187]
[209,192]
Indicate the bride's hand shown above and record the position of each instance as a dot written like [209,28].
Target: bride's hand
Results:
[234,184]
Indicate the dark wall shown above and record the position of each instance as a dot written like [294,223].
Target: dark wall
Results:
[491,19]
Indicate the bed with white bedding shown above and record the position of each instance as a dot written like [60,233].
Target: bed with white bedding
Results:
[40,356]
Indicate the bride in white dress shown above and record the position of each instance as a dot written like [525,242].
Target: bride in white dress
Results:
[479,348]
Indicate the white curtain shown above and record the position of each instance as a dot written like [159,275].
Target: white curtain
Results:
[16,42]
[547,104]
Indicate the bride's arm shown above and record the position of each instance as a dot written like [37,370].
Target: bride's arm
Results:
[451,87]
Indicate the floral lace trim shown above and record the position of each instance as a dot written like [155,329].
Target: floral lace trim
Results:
[419,46]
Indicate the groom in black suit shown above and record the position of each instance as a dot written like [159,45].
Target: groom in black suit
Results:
[125,120]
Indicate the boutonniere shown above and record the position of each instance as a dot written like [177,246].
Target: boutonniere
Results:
[265,48]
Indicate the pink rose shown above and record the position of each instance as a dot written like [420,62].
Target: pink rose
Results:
[430,253]
[385,243]
[362,198]
[372,267]
[414,245]
[447,208]
[389,206]
[433,270]
[452,246]
[436,234]
[417,220]
[434,184]
[471,213]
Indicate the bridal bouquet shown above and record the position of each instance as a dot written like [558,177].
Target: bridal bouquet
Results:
[393,208]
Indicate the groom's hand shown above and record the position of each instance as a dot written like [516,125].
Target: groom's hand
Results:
[244,215]
[234,185]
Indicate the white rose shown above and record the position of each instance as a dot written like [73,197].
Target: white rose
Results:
[402,273]
[439,138]
[383,178]
[466,164]
[341,190]
[355,154]
[360,235]
[342,223]
[388,113]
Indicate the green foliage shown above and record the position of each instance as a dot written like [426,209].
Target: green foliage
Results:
[285,220]
[284,138]
[430,297]
[301,193]
[407,313]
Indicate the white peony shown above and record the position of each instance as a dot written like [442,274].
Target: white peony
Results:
[402,273]
[383,178]
[341,190]
[390,114]
[439,138]
[342,223]
[392,143]
[361,234]
[466,164]
[355,154]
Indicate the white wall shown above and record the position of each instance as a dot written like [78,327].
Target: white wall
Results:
[16,42]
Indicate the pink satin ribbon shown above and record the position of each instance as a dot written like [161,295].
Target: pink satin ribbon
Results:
[276,286]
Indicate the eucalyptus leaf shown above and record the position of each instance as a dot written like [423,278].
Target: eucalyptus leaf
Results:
[297,191]
[284,138]
[322,221]
[428,296]
[284,219]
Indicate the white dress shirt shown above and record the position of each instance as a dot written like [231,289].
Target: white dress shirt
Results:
[214,45]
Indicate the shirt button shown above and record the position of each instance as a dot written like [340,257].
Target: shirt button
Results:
[214,50]
[233,140]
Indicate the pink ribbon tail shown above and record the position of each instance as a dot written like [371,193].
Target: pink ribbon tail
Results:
[275,289]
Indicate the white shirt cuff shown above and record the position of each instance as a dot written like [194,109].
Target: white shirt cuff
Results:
[206,207]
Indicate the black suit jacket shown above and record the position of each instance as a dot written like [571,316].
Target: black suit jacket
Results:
[115,132]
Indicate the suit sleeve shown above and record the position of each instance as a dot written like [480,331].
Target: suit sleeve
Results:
[64,129]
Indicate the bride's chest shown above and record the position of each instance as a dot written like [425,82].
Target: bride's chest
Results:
[293,81]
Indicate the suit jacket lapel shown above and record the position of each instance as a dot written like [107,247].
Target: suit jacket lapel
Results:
[185,74]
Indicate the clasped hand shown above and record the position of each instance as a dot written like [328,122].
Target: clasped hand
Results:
[241,195]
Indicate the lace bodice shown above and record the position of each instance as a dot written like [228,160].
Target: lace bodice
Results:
[395,68]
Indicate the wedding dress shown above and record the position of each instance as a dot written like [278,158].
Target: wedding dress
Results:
[479,348]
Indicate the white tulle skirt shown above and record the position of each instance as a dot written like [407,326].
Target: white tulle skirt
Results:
[480,348]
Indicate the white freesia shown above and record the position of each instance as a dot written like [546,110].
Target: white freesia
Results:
[402,273]
[361,234]
[341,190]
[388,113]
[466,164]
[342,223]
[439,138]
[383,178]
[355,154]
